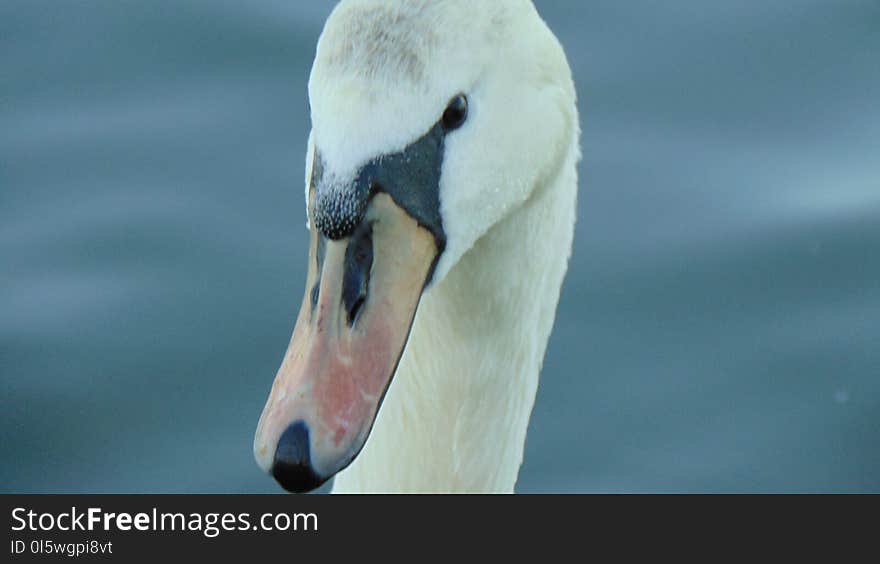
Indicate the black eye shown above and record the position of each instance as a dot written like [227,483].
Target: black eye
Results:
[455,113]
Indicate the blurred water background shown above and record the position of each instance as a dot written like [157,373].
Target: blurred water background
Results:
[719,328]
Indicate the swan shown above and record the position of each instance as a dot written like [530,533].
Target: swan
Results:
[440,192]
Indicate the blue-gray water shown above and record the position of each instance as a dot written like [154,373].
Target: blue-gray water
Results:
[719,328]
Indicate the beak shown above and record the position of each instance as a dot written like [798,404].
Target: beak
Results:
[361,297]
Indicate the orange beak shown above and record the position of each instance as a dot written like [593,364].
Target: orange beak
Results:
[362,293]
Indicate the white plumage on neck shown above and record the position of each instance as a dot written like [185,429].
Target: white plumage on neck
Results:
[456,414]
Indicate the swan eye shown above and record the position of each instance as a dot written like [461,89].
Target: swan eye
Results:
[456,113]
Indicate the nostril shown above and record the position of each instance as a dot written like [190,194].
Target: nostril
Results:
[356,278]
[356,307]
[292,465]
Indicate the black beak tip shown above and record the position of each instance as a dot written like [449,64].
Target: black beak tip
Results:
[292,465]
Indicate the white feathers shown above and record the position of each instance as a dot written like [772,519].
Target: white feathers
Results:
[384,72]
[455,416]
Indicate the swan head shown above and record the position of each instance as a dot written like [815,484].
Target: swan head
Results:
[431,121]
